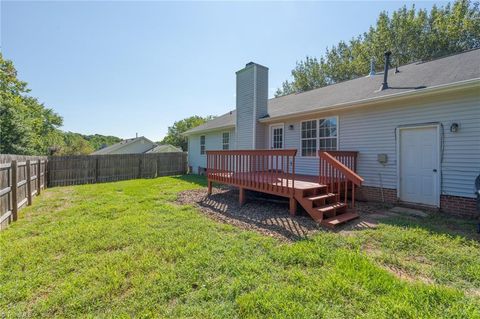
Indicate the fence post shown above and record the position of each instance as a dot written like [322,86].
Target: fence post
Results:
[96,170]
[13,167]
[185,163]
[45,176]
[39,179]
[29,184]
[140,167]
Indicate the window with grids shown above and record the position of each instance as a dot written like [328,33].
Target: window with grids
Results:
[202,145]
[327,134]
[319,135]
[309,138]
[226,141]
[277,137]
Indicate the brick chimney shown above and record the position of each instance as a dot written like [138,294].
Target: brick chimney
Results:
[252,100]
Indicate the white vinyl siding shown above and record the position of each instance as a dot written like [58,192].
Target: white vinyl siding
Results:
[251,105]
[213,141]
[371,130]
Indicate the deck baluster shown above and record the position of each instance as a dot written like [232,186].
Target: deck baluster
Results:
[336,167]
[272,171]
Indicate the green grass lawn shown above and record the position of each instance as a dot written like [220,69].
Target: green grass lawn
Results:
[126,249]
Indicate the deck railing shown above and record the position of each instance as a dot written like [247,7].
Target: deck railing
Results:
[337,172]
[270,171]
[347,158]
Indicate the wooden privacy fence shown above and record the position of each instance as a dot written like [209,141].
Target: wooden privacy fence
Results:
[90,169]
[21,178]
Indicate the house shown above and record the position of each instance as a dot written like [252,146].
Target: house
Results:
[165,148]
[415,130]
[136,145]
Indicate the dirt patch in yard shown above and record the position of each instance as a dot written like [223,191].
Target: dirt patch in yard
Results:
[269,214]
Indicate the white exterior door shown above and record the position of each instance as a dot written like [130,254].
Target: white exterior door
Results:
[419,167]
[276,136]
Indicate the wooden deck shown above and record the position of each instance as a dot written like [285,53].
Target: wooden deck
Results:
[268,180]
[324,197]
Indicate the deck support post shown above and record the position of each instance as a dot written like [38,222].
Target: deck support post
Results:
[241,196]
[293,206]
[209,188]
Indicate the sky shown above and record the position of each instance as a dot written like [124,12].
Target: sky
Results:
[121,68]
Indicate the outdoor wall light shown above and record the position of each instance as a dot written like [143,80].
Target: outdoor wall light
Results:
[290,127]
[454,128]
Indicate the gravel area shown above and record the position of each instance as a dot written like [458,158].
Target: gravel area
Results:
[269,215]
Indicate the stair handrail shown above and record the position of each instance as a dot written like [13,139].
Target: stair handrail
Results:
[350,174]
[334,174]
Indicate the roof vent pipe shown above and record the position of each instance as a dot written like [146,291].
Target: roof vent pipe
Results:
[385,72]
[372,67]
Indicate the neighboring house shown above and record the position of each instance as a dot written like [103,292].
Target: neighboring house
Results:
[136,145]
[165,148]
[418,138]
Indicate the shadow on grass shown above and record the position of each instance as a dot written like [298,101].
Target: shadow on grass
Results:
[267,215]
[193,178]
[270,213]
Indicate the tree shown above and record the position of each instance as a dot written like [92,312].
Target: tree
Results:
[410,34]
[28,127]
[98,141]
[74,144]
[24,122]
[14,133]
[174,135]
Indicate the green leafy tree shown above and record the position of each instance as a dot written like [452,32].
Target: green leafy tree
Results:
[28,127]
[74,144]
[174,135]
[98,141]
[410,34]
[24,122]
[14,134]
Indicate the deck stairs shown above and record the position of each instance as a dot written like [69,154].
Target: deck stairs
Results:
[326,208]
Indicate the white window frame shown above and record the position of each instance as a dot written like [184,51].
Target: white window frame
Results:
[203,146]
[223,141]
[271,128]
[318,138]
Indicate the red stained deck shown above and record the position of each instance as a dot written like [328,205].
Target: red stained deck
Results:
[273,172]
[267,180]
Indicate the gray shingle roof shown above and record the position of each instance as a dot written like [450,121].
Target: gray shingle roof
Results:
[122,143]
[412,77]
[164,148]
[223,121]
